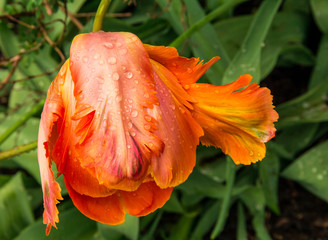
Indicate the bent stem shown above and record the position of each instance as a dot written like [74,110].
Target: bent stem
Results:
[100,15]
[212,15]
[37,108]
[18,150]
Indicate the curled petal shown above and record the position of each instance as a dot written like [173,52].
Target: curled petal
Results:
[187,70]
[177,129]
[146,199]
[108,210]
[53,112]
[239,122]
[114,88]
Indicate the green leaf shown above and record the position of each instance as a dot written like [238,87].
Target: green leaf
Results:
[182,229]
[269,175]
[320,72]
[254,199]
[72,225]
[16,213]
[206,221]
[129,229]
[307,108]
[247,59]
[320,12]
[311,170]
[295,138]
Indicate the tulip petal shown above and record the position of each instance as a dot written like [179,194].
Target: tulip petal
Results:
[238,122]
[53,112]
[176,127]
[107,210]
[146,199]
[114,87]
[187,70]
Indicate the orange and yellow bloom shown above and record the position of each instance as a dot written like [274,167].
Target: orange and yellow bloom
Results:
[122,121]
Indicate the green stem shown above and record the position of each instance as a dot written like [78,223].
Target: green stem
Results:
[18,150]
[37,108]
[212,15]
[100,15]
[230,175]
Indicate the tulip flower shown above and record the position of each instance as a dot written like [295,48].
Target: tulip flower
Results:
[122,121]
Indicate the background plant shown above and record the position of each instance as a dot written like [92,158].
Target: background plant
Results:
[270,39]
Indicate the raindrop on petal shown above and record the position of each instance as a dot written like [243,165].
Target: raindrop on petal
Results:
[112,60]
[134,113]
[115,76]
[129,75]
[108,45]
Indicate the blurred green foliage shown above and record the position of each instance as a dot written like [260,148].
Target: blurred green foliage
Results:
[264,38]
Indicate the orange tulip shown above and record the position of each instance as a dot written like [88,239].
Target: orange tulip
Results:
[122,121]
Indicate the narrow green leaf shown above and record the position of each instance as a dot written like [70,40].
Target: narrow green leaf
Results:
[151,231]
[223,215]
[241,224]
[311,170]
[206,221]
[247,59]
[320,72]
[269,175]
[182,229]
[16,213]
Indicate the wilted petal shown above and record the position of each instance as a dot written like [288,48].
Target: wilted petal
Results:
[239,122]
[146,199]
[114,88]
[53,112]
[187,70]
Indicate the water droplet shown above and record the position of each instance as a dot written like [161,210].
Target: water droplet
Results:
[101,62]
[130,100]
[85,59]
[186,86]
[134,113]
[111,60]
[118,44]
[96,56]
[173,107]
[132,134]
[129,125]
[136,81]
[108,45]
[118,98]
[123,68]
[182,110]
[189,70]
[101,80]
[128,146]
[148,118]
[147,127]
[150,145]
[116,76]
[123,51]
[251,153]
[129,75]
[146,95]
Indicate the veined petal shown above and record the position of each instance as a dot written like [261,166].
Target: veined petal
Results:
[53,112]
[238,122]
[187,70]
[114,87]
[146,199]
[176,127]
[108,210]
